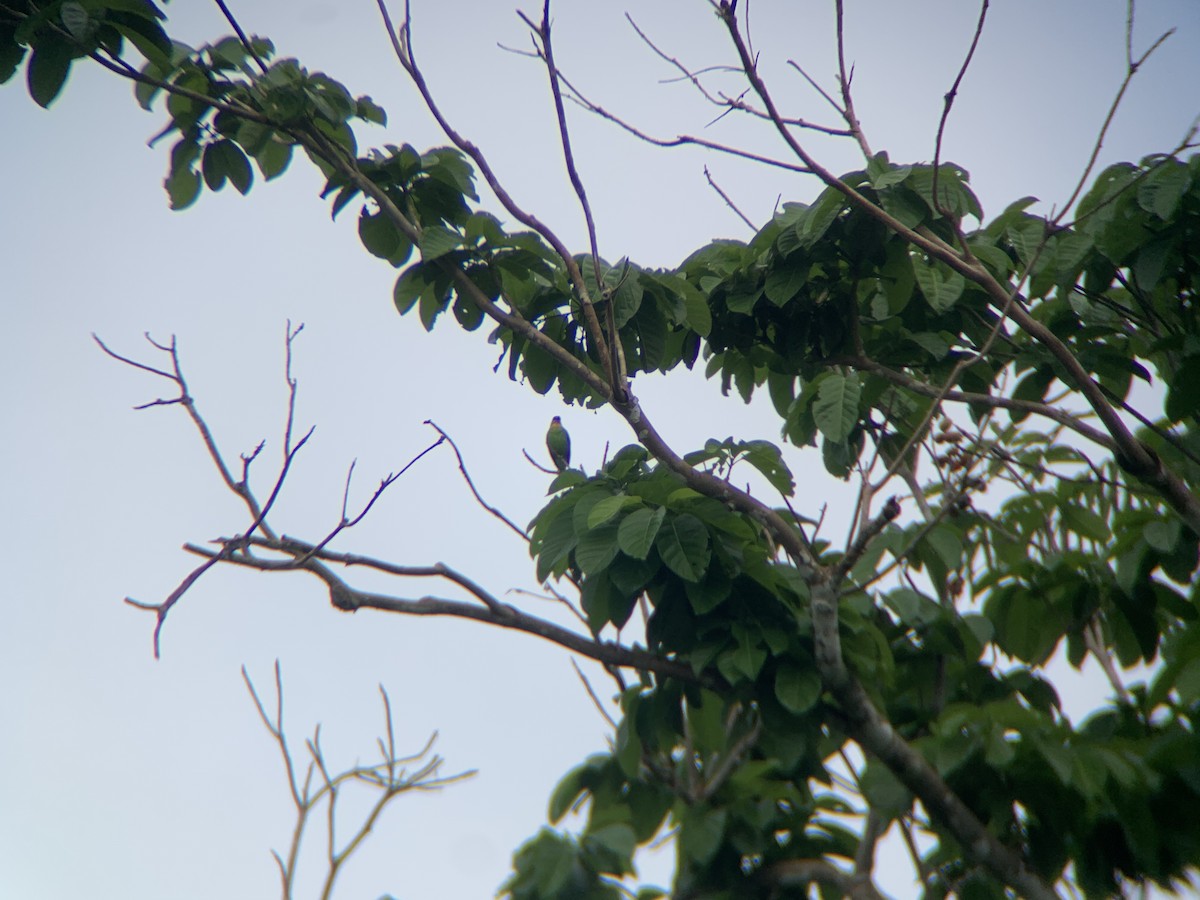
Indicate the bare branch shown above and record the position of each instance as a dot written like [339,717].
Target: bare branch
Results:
[844,80]
[402,45]
[492,611]
[1131,67]
[233,23]
[587,686]
[728,104]
[462,467]
[949,103]
[716,187]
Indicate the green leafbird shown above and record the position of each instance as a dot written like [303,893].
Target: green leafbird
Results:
[558,442]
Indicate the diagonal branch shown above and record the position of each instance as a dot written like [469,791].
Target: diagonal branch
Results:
[402,45]
[1134,455]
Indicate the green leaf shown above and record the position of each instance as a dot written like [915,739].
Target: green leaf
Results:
[768,460]
[1183,398]
[409,287]
[1085,523]
[946,542]
[699,317]
[683,544]
[940,285]
[76,20]
[638,530]
[1162,189]
[784,282]
[569,789]
[836,407]
[701,831]
[618,839]
[610,507]
[709,593]
[367,110]
[11,52]
[815,221]
[797,688]
[884,791]
[183,187]
[378,234]
[913,609]
[224,159]
[437,240]
[145,34]
[274,158]
[48,70]
[597,548]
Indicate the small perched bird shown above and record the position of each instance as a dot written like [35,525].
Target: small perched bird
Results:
[558,442]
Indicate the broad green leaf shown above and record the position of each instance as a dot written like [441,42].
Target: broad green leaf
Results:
[699,318]
[223,160]
[884,791]
[1161,190]
[797,688]
[597,548]
[638,530]
[274,158]
[76,20]
[1085,523]
[183,187]
[683,544]
[940,285]
[913,609]
[437,240]
[48,70]
[710,592]
[784,282]
[1183,396]
[768,460]
[568,790]
[890,176]
[409,286]
[11,53]
[378,234]
[811,227]
[836,407]
[618,838]
[610,507]
[947,543]
[701,831]
[147,35]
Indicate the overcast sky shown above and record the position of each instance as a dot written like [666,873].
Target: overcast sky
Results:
[122,776]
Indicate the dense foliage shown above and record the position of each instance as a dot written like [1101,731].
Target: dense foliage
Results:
[981,373]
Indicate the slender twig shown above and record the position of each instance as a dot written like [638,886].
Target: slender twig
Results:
[949,103]
[402,45]
[1131,67]
[716,187]
[492,611]
[241,35]
[728,104]
[462,467]
[683,140]
[587,686]
[844,81]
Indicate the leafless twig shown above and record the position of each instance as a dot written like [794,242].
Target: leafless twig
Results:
[390,777]
[949,103]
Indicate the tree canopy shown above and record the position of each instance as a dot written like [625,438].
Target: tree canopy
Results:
[786,695]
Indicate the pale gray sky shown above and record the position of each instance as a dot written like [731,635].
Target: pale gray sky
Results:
[123,776]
